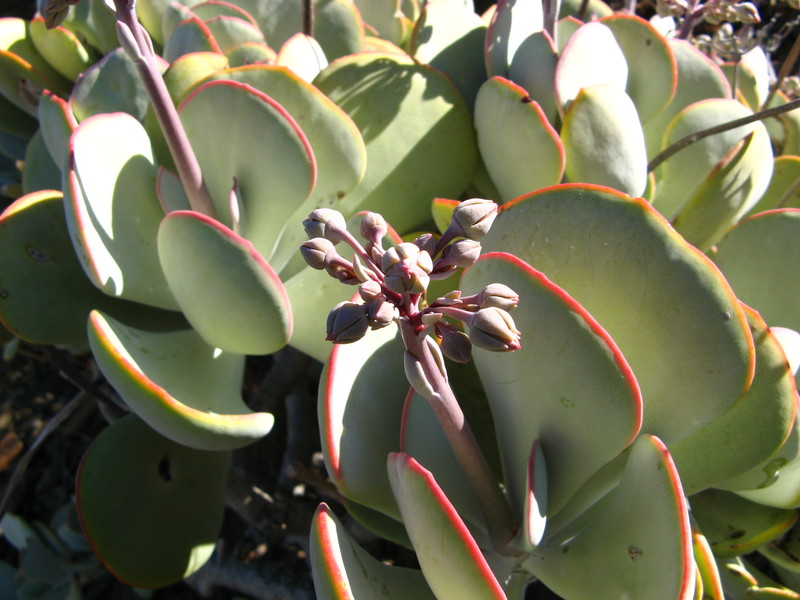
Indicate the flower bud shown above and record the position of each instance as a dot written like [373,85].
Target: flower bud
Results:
[373,228]
[370,291]
[406,268]
[426,242]
[380,314]
[314,252]
[347,323]
[341,272]
[499,296]
[493,329]
[473,218]
[463,253]
[456,346]
[325,223]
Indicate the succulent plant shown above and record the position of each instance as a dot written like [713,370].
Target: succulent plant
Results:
[169,162]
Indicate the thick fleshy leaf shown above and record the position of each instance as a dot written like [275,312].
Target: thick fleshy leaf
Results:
[23,71]
[450,37]
[263,148]
[60,48]
[443,543]
[784,187]
[303,55]
[151,509]
[232,297]
[189,35]
[538,381]
[635,544]
[603,140]
[533,68]
[278,20]
[685,174]
[591,57]
[707,570]
[57,125]
[96,24]
[250,54]
[733,188]
[652,70]
[344,571]
[15,121]
[753,257]
[663,302]
[110,85]
[698,78]
[220,8]
[188,70]
[785,551]
[535,512]
[520,149]
[417,129]
[113,211]
[763,418]
[338,27]
[183,388]
[423,438]
[791,125]
[45,297]
[386,19]
[230,31]
[40,172]
[442,212]
[512,23]
[360,427]
[736,526]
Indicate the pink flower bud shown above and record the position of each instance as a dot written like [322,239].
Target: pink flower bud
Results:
[347,323]
[493,329]
[456,346]
[473,218]
[380,314]
[370,291]
[315,251]
[498,295]
[373,228]
[325,223]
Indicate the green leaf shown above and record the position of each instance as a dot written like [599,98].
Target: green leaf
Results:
[110,85]
[667,307]
[344,571]
[338,28]
[512,23]
[782,489]
[61,48]
[538,382]
[534,68]
[277,19]
[45,296]
[189,35]
[513,134]
[603,140]
[736,526]
[40,172]
[230,31]
[232,297]
[753,256]
[113,211]
[636,543]
[358,426]
[591,57]
[417,130]
[152,509]
[752,430]
[731,189]
[686,173]
[182,387]
[443,544]
[652,70]
[450,37]
[784,187]
[263,148]
[699,78]
[57,125]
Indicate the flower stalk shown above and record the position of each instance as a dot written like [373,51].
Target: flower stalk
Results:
[393,284]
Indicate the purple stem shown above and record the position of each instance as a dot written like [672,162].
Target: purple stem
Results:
[494,506]
[185,160]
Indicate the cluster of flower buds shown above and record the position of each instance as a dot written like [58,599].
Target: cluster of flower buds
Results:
[392,282]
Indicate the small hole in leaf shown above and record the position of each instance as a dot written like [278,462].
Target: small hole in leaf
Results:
[735,535]
[163,469]
[526,100]
[634,552]
[37,255]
